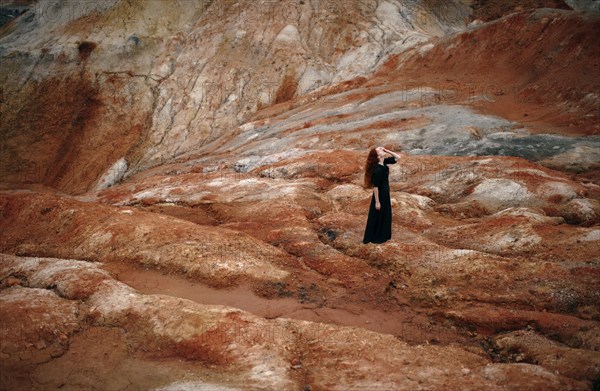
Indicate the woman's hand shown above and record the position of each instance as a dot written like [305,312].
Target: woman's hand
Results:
[377,206]
[394,154]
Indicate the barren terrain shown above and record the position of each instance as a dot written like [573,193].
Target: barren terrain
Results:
[182,208]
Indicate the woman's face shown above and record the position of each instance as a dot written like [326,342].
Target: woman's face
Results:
[380,152]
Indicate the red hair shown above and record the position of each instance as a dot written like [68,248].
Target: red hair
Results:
[372,161]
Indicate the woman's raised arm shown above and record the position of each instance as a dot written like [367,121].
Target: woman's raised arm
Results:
[394,154]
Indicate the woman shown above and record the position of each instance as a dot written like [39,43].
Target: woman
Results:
[379,222]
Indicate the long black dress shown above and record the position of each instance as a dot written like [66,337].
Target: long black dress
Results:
[379,222]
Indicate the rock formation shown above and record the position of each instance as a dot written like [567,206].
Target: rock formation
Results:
[182,201]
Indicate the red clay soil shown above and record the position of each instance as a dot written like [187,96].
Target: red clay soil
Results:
[487,10]
[539,68]
[411,326]
[66,147]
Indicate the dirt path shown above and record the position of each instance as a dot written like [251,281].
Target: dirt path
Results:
[412,327]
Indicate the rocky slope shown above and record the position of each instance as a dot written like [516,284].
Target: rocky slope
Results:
[164,82]
[182,206]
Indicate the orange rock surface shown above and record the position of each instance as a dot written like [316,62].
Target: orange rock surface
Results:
[182,203]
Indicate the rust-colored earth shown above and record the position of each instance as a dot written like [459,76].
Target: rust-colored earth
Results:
[182,203]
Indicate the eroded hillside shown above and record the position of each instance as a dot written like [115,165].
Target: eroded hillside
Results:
[182,203]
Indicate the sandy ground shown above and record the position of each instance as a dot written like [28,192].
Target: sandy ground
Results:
[156,234]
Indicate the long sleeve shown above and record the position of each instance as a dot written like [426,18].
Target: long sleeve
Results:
[376,177]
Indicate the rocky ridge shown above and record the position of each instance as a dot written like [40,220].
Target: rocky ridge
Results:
[182,195]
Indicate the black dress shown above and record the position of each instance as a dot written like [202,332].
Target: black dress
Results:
[379,222]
